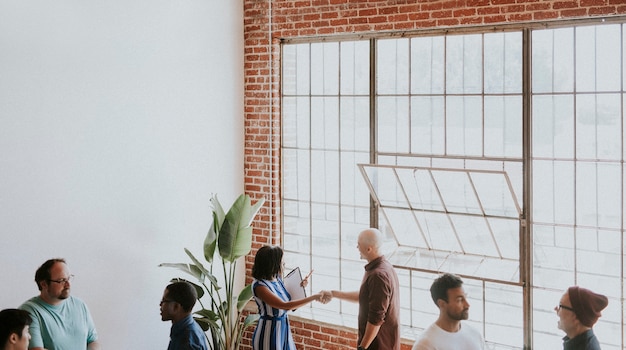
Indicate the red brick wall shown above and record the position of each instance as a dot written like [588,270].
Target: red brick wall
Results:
[302,18]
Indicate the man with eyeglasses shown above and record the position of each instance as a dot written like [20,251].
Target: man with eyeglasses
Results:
[60,321]
[176,306]
[578,310]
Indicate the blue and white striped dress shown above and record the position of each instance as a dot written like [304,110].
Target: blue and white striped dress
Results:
[272,332]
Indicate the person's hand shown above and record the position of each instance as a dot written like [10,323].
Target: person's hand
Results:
[305,281]
[325,297]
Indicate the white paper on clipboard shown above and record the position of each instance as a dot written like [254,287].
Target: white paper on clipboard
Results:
[293,285]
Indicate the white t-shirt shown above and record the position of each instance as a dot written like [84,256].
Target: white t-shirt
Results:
[435,338]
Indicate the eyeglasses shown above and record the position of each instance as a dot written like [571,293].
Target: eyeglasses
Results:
[561,306]
[166,301]
[63,280]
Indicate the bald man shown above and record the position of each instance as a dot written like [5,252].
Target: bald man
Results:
[378,298]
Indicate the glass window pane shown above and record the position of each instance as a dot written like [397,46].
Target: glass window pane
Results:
[503,312]
[324,68]
[598,126]
[420,189]
[296,174]
[495,195]
[503,62]
[353,187]
[553,126]
[355,68]
[295,74]
[554,258]
[458,194]
[506,237]
[427,125]
[553,192]
[597,56]
[474,235]
[598,260]
[597,201]
[464,64]
[296,231]
[325,123]
[393,66]
[427,65]
[296,119]
[355,124]
[464,133]
[406,228]
[325,225]
[545,333]
[324,184]
[393,124]
[553,60]
[503,126]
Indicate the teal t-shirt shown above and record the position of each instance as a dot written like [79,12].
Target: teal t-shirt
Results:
[67,326]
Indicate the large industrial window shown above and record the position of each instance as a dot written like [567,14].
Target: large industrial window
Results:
[474,155]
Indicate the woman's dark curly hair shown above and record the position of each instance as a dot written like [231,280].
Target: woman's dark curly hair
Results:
[268,263]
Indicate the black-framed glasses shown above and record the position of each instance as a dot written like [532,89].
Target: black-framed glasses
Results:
[63,280]
[561,306]
[166,301]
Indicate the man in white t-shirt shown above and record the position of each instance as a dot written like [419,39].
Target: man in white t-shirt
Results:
[448,333]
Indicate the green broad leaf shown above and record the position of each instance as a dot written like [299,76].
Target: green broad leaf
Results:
[210,243]
[206,323]
[251,320]
[199,289]
[224,307]
[187,268]
[244,296]
[218,213]
[208,314]
[205,272]
[235,237]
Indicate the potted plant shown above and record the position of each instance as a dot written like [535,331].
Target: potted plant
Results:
[230,236]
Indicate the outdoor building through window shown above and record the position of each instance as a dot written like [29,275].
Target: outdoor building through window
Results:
[498,156]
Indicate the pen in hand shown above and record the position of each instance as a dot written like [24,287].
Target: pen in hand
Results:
[305,280]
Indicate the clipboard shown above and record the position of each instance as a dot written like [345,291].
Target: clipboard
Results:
[292,283]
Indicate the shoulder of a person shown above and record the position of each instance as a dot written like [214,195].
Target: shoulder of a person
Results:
[33,304]
[29,302]
[422,343]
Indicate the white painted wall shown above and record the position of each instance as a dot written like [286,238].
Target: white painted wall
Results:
[118,119]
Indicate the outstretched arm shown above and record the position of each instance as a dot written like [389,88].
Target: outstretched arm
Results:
[349,296]
[274,301]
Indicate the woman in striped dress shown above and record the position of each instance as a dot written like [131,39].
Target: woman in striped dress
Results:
[272,332]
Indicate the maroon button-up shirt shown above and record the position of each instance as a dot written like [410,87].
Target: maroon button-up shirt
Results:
[379,304]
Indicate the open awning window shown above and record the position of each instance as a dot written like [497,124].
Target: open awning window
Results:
[456,220]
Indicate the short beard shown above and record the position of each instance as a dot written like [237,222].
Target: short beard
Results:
[463,315]
[65,294]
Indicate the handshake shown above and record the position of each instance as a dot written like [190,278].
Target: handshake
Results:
[324,296]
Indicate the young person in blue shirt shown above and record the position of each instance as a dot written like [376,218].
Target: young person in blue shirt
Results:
[176,306]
